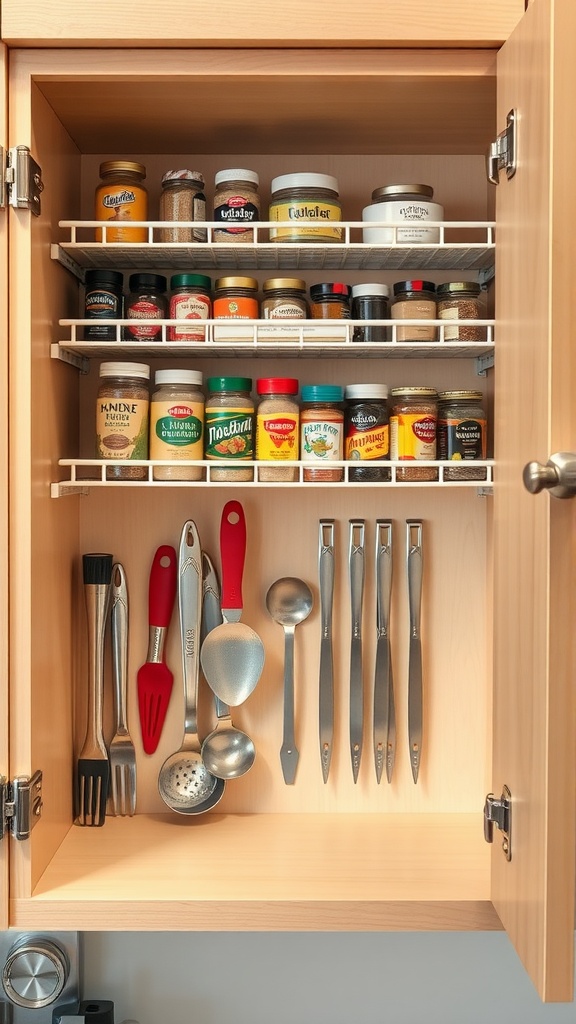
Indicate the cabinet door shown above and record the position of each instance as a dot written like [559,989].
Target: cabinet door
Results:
[4,766]
[322,23]
[535,557]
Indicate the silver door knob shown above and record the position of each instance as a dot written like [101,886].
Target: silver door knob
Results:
[558,475]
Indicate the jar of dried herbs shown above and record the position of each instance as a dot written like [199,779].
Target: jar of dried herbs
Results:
[229,427]
[182,199]
[122,408]
[277,427]
[236,205]
[460,300]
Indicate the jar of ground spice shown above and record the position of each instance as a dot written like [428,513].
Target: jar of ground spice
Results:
[415,300]
[120,197]
[310,197]
[277,428]
[182,199]
[330,301]
[460,300]
[146,302]
[413,427]
[122,407]
[229,427]
[322,431]
[236,205]
[177,423]
[462,433]
[189,301]
[367,440]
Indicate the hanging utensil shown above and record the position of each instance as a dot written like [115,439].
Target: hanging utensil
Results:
[384,728]
[121,750]
[154,679]
[414,569]
[326,679]
[356,572]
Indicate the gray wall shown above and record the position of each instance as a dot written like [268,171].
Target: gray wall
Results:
[400,978]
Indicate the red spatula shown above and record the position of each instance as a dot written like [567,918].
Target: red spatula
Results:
[154,677]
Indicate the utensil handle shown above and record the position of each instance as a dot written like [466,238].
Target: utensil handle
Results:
[232,553]
[415,686]
[356,570]
[289,753]
[190,606]
[119,636]
[162,586]
[414,564]
[326,675]
[97,574]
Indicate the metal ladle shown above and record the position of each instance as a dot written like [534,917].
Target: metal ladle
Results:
[289,601]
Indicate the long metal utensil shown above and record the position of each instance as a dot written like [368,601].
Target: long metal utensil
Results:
[384,723]
[121,749]
[414,568]
[356,570]
[326,680]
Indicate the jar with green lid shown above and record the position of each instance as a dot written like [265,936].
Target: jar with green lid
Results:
[305,197]
[177,423]
[189,301]
[122,407]
[460,300]
[413,431]
[462,433]
[229,427]
[182,199]
[322,431]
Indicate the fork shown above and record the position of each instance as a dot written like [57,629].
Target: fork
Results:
[121,751]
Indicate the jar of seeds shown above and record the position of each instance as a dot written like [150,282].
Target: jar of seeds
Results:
[182,199]
[460,300]
[236,205]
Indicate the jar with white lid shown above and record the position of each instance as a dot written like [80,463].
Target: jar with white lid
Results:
[410,204]
[122,407]
[177,423]
[367,432]
[298,197]
[236,205]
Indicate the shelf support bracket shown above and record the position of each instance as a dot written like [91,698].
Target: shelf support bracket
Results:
[484,363]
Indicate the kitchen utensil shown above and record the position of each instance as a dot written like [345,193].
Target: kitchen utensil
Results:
[326,680]
[384,727]
[356,573]
[414,568]
[227,752]
[184,783]
[93,767]
[121,750]
[232,654]
[154,680]
[289,601]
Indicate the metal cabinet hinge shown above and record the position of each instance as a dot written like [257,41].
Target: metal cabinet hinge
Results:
[503,152]
[498,812]
[21,180]
[20,805]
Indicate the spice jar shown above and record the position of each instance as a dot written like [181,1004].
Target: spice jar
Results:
[236,203]
[322,431]
[229,427]
[415,300]
[182,199]
[146,302]
[121,197]
[177,423]
[330,301]
[189,301]
[460,300]
[402,204]
[235,299]
[102,301]
[462,433]
[277,427]
[297,197]
[284,299]
[413,425]
[370,302]
[122,407]
[367,431]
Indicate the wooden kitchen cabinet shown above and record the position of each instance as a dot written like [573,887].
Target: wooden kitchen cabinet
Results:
[497,568]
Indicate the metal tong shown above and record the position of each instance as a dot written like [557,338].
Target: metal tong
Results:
[326,680]
[414,570]
[384,723]
[356,572]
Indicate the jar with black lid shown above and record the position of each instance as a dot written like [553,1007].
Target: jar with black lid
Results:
[304,196]
[366,428]
[370,302]
[102,301]
[330,301]
[146,302]
[462,433]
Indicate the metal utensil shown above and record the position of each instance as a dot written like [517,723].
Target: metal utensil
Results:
[414,568]
[356,572]
[289,601]
[121,750]
[184,782]
[93,768]
[155,680]
[326,680]
[384,727]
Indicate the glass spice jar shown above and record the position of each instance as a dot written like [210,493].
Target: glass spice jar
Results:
[322,431]
[330,301]
[121,197]
[235,299]
[284,300]
[462,433]
[229,426]
[189,301]
[402,204]
[277,427]
[182,199]
[177,423]
[415,300]
[122,408]
[413,427]
[297,197]
[367,439]
[102,302]
[145,303]
[236,203]
[370,302]
[460,300]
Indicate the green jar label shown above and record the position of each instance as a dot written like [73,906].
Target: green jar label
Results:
[176,425]
[229,434]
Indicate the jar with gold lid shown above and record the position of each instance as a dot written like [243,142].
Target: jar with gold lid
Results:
[284,299]
[121,197]
[462,433]
[413,427]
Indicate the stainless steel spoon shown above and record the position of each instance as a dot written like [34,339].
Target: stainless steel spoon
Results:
[289,601]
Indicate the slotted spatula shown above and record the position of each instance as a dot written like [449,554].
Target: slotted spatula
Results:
[154,677]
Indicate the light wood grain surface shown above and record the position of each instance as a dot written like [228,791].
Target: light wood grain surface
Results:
[4,661]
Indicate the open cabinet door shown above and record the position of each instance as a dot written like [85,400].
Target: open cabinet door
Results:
[535,535]
[4,765]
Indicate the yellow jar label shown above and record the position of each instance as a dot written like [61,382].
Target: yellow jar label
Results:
[412,436]
[117,204]
[176,430]
[277,436]
[122,428]
[306,210]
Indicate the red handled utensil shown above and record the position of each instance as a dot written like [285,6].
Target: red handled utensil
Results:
[155,679]
[232,554]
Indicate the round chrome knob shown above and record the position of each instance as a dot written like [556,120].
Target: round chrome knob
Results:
[558,476]
[536,477]
[35,972]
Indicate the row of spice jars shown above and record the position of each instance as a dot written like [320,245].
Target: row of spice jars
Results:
[180,425]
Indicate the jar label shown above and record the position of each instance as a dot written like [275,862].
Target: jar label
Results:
[141,311]
[322,440]
[101,304]
[461,439]
[367,439]
[283,310]
[236,308]
[311,210]
[412,436]
[122,428]
[188,307]
[234,210]
[229,434]
[176,430]
[119,203]
[277,436]
[415,309]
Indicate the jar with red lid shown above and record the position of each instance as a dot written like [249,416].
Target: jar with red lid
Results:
[330,301]
[277,428]
[415,300]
